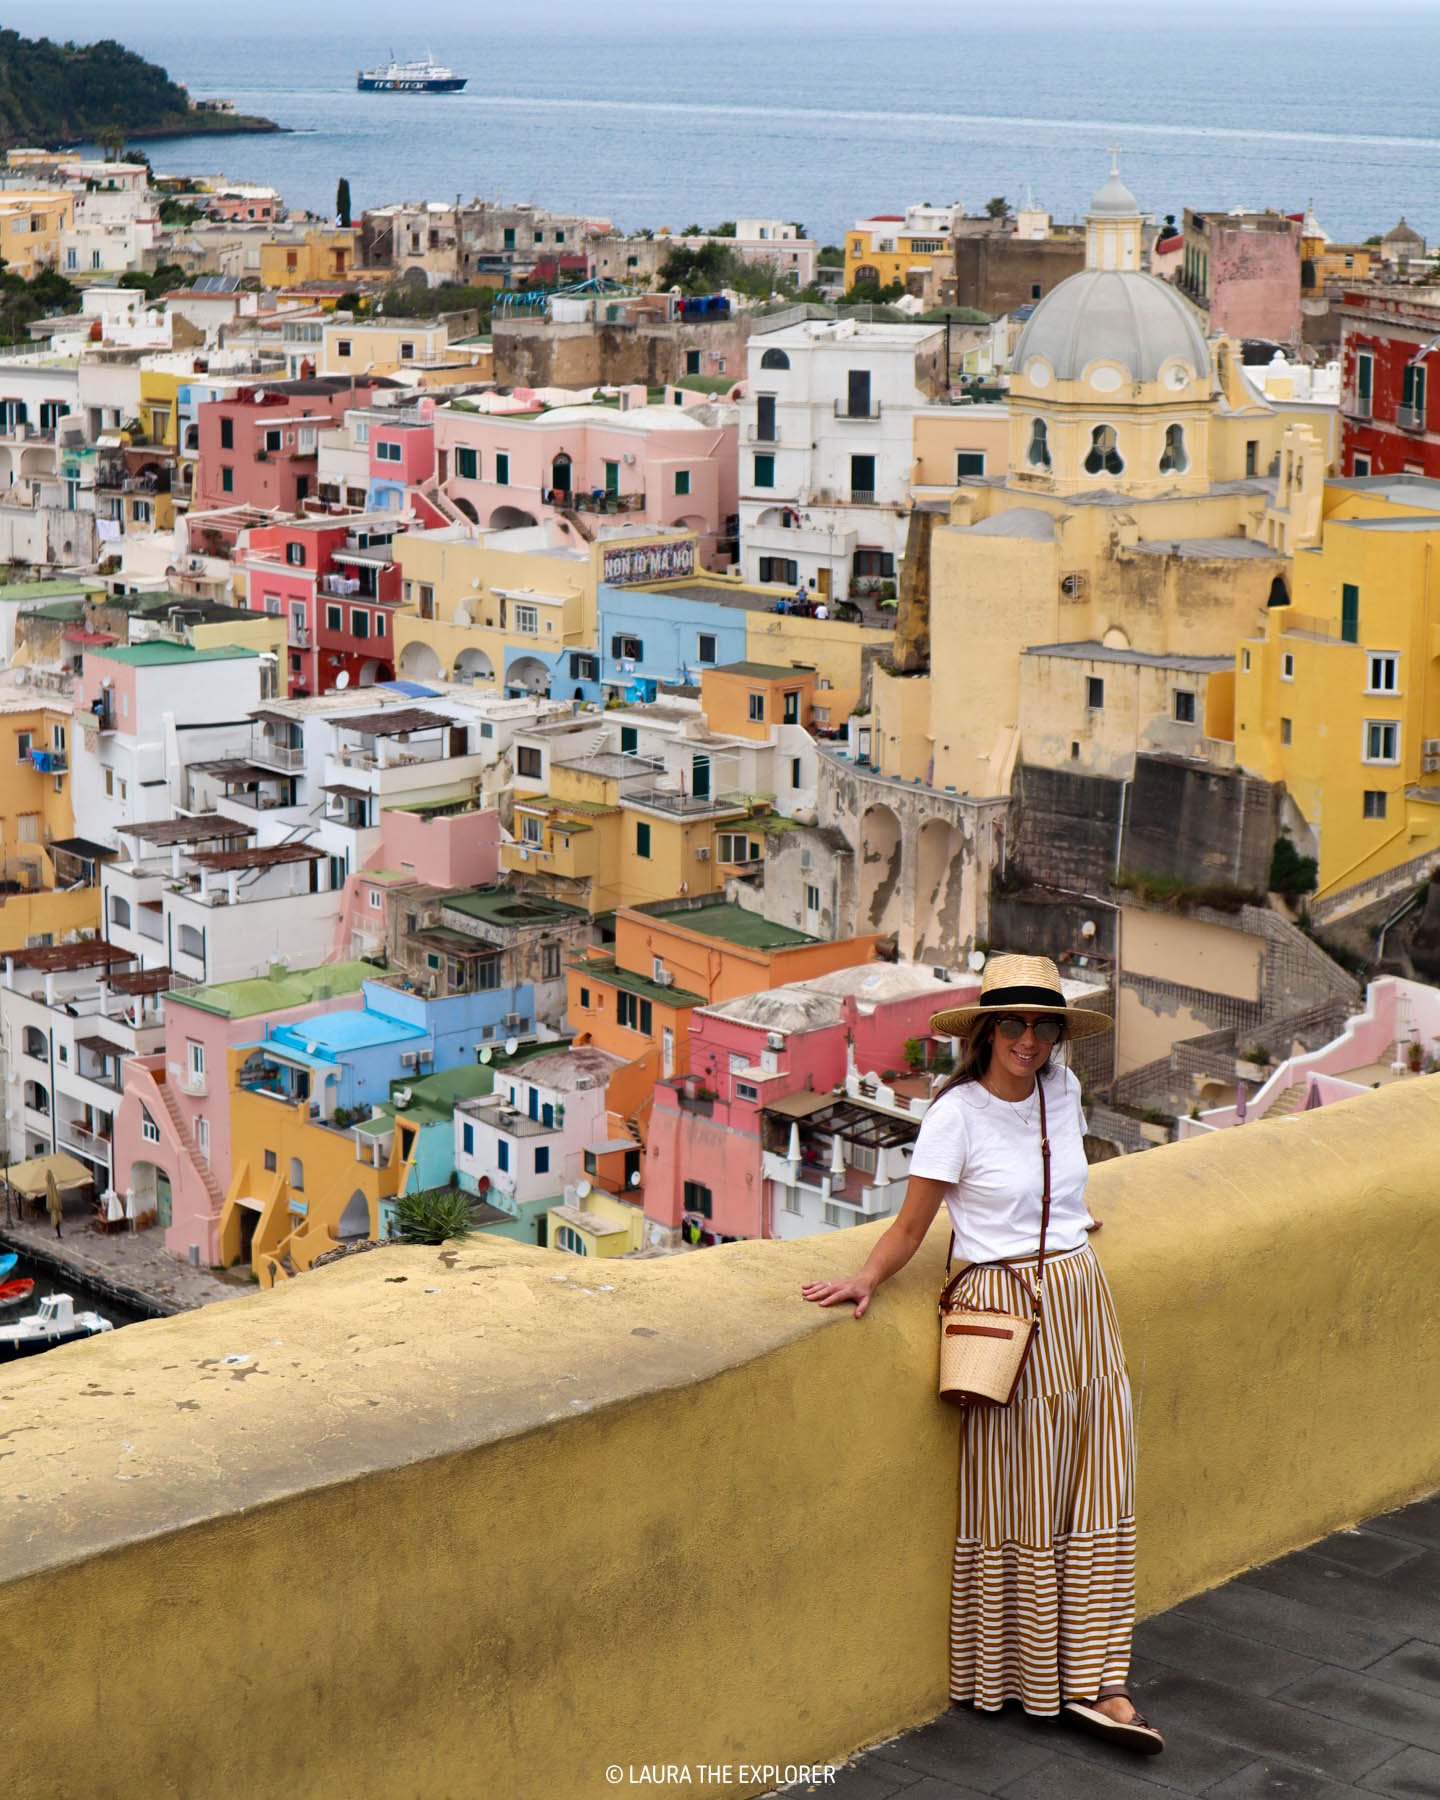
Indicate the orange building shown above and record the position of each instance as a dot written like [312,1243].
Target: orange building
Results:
[749,699]
[671,957]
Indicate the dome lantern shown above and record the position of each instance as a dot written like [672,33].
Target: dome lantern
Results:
[1114,224]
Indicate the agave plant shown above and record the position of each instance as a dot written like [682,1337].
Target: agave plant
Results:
[433,1216]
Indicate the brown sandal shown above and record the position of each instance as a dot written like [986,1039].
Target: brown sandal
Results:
[1130,1734]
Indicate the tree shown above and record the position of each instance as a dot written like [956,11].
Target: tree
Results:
[342,202]
[726,228]
[870,293]
[700,271]
[997,207]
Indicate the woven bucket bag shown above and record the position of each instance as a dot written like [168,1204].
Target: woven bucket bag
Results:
[984,1350]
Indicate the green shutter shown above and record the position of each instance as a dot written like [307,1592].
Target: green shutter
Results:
[502,469]
[764,471]
[642,838]
[1350,613]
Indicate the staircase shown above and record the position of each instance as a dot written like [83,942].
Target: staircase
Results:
[188,1145]
[1291,1101]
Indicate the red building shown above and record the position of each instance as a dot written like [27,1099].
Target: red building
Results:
[334,580]
[1389,341]
[259,446]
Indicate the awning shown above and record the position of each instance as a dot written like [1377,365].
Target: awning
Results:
[611,1146]
[83,847]
[80,634]
[287,1053]
[28,1178]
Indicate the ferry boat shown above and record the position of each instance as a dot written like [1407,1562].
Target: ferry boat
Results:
[57,1322]
[424,77]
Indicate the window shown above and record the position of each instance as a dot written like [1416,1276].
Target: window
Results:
[566,1238]
[682,481]
[833,1215]
[1350,612]
[764,472]
[612,477]
[295,555]
[1382,741]
[1184,706]
[271,1162]
[584,668]
[1038,453]
[532,829]
[387,451]
[862,480]
[791,714]
[529,762]
[1359,465]
[629,740]
[1374,803]
[1383,671]
[502,1155]
[735,847]
[1412,394]
[1287,729]
[1094,692]
[359,623]
[23,741]
[149,1130]
[334,618]
[633,1012]
[705,648]
[271,440]
[796,772]
[542,1159]
[812,898]
[642,838]
[757,709]
[141,511]
[746,1090]
[1364,383]
[502,468]
[1174,458]
[227,434]
[467,463]
[342,346]
[526,619]
[780,568]
[1104,457]
[467,1138]
[584,999]
[969,462]
[119,911]
[380,624]
[875,562]
[549,961]
[774,359]
[792,1199]
[1244,662]
[698,1199]
[1287,666]
[626,649]
[377,900]
[227,481]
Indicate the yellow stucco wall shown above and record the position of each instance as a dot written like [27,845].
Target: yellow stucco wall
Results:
[1213,957]
[31,221]
[836,650]
[709,1456]
[938,436]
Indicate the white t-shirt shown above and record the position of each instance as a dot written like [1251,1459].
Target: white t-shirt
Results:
[988,1150]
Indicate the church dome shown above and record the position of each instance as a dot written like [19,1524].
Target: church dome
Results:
[1114,200]
[1114,316]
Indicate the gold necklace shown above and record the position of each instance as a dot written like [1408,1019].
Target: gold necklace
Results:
[1032,1097]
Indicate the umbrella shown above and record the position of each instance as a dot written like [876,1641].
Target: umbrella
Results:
[114,1209]
[53,1203]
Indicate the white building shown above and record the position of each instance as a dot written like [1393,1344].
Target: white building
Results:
[115,226]
[826,449]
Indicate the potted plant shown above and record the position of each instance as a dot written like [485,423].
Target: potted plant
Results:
[1415,1055]
[1155,1126]
[913,1050]
[1254,1065]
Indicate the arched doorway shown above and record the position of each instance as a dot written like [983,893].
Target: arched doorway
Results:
[560,478]
[528,675]
[372,671]
[508,518]
[881,857]
[355,1220]
[464,506]
[474,665]
[418,662]
[149,1192]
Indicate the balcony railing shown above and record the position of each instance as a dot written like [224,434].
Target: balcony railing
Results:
[1410,418]
[49,762]
[95,1143]
[758,434]
[873,411]
[264,749]
[596,501]
[1357,405]
[298,637]
[671,801]
[862,496]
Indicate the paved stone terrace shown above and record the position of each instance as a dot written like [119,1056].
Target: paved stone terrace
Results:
[1313,1677]
[135,1266]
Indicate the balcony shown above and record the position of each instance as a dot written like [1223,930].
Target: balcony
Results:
[1410,418]
[264,749]
[842,411]
[1234,1472]
[755,434]
[686,806]
[49,762]
[94,1144]
[862,496]
[298,636]
[595,501]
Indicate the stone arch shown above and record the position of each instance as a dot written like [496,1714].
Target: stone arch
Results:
[867,272]
[474,665]
[355,1220]
[508,518]
[939,876]
[419,662]
[150,1190]
[881,859]
[529,675]
[462,505]
[371,671]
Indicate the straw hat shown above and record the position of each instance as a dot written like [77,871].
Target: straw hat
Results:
[1020,984]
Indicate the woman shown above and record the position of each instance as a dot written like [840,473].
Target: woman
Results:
[1043,1586]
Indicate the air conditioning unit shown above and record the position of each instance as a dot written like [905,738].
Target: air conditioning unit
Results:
[515,1019]
[1431,747]
[703,853]
[665,978]
[409,1060]
[774,1040]
[1430,764]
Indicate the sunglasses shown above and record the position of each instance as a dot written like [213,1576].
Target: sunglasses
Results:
[1012,1027]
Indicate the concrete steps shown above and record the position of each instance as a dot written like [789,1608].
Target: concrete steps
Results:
[188,1145]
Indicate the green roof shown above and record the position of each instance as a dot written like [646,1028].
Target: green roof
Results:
[503,906]
[721,919]
[297,987]
[156,655]
[606,969]
[707,384]
[596,808]
[763,671]
[63,611]
[40,590]
[760,823]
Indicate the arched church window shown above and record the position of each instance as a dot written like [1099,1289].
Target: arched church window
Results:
[774,359]
[1175,458]
[1104,457]
[1038,454]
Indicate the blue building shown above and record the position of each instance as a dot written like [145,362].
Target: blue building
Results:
[672,633]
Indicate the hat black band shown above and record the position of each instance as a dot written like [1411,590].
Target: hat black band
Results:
[1022,996]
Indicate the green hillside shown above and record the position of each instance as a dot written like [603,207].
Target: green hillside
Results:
[57,93]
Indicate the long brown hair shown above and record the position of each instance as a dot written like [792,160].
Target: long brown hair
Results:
[977,1050]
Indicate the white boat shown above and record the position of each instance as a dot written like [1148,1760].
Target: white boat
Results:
[424,77]
[57,1322]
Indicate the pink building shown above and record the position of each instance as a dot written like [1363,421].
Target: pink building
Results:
[433,850]
[259,446]
[172,1126]
[1243,271]
[654,465]
[761,1066]
[244,206]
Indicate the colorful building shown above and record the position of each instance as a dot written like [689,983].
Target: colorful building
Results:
[1333,697]
[49,877]
[891,247]
[258,445]
[1388,339]
[323,255]
[31,221]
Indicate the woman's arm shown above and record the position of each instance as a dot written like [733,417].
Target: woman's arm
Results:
[891,1253]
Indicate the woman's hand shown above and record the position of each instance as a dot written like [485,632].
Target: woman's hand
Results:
[858,1288]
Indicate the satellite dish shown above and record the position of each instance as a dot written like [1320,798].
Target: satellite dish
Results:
[582,1189]
[511,1046]
[635,1179]
[977,961]
[486,1054]
[342,680]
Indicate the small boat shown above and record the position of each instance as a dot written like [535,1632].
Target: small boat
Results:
[13,1292]
[423,77]
[57,1322]
[7,1264]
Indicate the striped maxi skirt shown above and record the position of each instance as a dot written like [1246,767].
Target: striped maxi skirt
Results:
[1043,1588]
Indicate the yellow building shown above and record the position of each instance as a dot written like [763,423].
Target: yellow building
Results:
[387,346]
[160,405]
[893,247]
[30,227]
[51,884]
[954,443]
[1335,694]
[326,254]
[603,1223]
